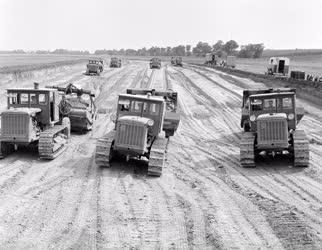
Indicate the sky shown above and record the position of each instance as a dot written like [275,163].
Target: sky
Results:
[116,24]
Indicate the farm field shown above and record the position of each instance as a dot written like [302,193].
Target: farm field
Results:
[204,198]
[310,64]
[9,60]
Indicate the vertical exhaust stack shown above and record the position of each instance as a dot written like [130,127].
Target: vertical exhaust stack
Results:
[36,85]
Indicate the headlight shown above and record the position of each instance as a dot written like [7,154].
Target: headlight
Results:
[252,118]
[150,123]
[290,116]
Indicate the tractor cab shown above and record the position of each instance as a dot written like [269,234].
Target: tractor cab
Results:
[139,120]
[151,107]
[29,112]
[43,100]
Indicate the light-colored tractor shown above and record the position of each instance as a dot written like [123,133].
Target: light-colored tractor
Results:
[32,119]
[144,121]
[94,67]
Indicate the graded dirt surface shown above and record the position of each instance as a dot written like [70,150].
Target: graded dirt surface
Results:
[204,198]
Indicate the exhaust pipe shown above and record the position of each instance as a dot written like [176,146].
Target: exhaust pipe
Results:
[36,85]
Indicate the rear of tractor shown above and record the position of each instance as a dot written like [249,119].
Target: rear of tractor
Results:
[115,62]
[269,120]
[78,105]
[138,131]
[155,63]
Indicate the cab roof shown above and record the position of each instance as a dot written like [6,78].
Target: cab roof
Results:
[31,90]
[143,97]
[272,94]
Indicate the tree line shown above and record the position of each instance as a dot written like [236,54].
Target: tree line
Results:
[200,50]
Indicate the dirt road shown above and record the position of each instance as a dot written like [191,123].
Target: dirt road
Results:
[204,199]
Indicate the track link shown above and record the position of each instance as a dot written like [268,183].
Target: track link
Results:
[157,156]
[247,155]
[50,145]
[301,149]
[103,153]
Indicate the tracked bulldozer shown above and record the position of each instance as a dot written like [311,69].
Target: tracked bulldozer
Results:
[155,63]
[78,105]
[94,67]
[32,119]
[269,119]
[176,61]
[145,119]
[115,62]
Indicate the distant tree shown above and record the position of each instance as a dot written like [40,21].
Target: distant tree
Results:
[168,53]
[130,52]
[259,48]
[142,52]
[201,49]
[218,46]
[179,50]
[42,52]
[163,51]
[251,50]
[188,50]
[230,47]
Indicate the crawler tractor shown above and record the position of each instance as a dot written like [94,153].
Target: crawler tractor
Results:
[78,105]
[115,62]
[141,117]
[176,61]
[94,67]
[269,119]
[155,63]
[32,118]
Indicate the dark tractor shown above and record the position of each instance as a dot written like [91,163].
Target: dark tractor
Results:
[77,104]
[155,63]
[269,119]
[115,62]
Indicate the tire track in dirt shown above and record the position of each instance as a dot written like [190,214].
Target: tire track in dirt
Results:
[285,239]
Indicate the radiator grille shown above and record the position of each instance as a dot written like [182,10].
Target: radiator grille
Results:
[92,67]
[14,125]
[272,131]
[130,135]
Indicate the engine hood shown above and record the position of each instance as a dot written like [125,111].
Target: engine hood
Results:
[28,111]
[276,116]
[135,120]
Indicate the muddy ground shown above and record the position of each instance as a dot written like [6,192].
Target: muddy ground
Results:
[204,199]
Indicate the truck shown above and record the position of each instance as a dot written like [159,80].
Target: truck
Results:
[94,67]
[269,119]
[144,121]
[78,105]
[155,63]
[32,119]
[115,62]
